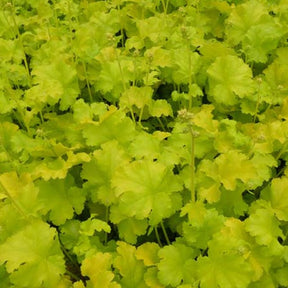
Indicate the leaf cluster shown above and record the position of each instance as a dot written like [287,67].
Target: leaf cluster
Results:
[143,143]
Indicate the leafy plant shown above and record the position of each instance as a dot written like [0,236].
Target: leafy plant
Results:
[143,143]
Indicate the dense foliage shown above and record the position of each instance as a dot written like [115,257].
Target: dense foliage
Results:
[143,143]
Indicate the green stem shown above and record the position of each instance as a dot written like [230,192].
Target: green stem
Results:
[67,254]
[107,220]
[190,82]
[22,46]
[157,237]
[87,82]
[140,116]
[192,167]
[161,124]
[41,117]
[132,114]
[64,250]
[72,275]
[165,233]
[124,86]
[165,5]
[281,151]
[257,105]
[121,29]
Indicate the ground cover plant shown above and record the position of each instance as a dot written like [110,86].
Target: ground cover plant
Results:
[143,143]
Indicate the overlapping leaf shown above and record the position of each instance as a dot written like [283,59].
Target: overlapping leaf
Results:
[229,79]
[33,256]
[146,189]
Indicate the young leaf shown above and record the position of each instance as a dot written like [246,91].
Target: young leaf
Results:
[225,271]
[131,269]
[277,195]
[264,226]
[100,170]
[173,259]
[113,125]
[61,198]
[146,189]
[200,228]
[229,78]
[98,269]
[148,252]
[33,256]
[243,17]
[130,228]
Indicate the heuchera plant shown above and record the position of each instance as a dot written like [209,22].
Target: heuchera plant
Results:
[143,143]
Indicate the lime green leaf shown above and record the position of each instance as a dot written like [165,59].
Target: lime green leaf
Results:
[202,224]
[264,226]
[230,137]
[223,271]
[10,50]
[158,56]
[160,108]
[54,81]
[84,113]
[113,125]
[22,193]
[265,281]
[78,284]
[6,103]
[113,78]
[282,276]
[196,212]
[64,129]
[187,65]
[207,188]
[205,119]
[173,259]
[228,168]
[146,190]
[98,269]
[177,148]
[4,276]
[231,203]
[212,49]
[100,170]
[276,195]
[227,258]
[243,17]
[276,77]
[136,96]
[263,164]
[232,166]
[61,198]
[131,269]
[91,225]
[33,256]
[146,146]
[11,220]
[7,130]
[148,253]
[261,136]
[229,78]
[152,28]
[70,233]
[260,40]
[53,168]
[130,228]
[151,278]
[85,44]
[234,239]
